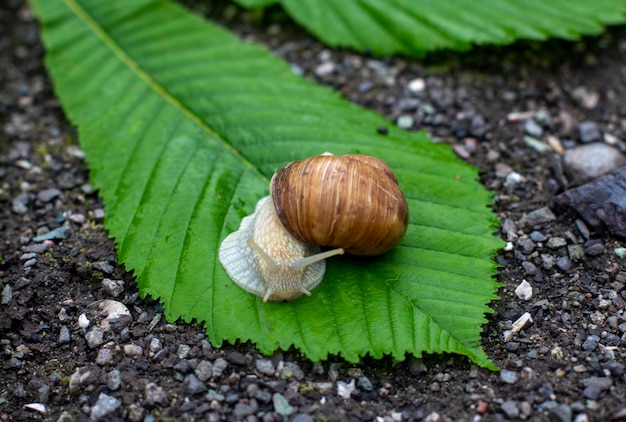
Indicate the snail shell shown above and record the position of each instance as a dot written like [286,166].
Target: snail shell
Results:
[350,202]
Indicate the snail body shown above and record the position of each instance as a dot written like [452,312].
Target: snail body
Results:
[350,203]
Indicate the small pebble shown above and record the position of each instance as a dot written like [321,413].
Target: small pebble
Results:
[405,121]
[537,217]
[590,343]
[204,370]
[218,367]
[416,86]
[37,407]
[365,384]
[193,385]
[589,132]
[532,128]
[509,377]
[114,379]
[133,350]
[155,395]
[103,266]
[510,408]
[113,287]
[585,163]
[344,389]
[594,248]
[236,358]
[556,242]
[94,338]
[182,351]
[281,405]
[265,366]
[575,252]
[564,263]
[105,357]
[524,290]
[64,334]
[529,268]
[6,295]
[561,413]
[242,409]
[48,195]
[104,407]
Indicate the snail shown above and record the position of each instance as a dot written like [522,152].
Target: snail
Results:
[350,203]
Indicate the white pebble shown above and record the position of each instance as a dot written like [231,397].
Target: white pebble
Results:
[345,390]
[524,291]
[518,326]
[83,321]
[417,85]
[37,407]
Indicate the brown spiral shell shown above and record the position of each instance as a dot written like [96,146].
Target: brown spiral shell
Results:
[350,201]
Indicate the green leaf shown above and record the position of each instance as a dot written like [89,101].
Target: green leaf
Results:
[257,3]
[183,125]
[414,27]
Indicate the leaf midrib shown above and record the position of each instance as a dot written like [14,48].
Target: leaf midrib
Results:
[114,47]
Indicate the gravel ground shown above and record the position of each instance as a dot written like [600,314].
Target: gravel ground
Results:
[532,117]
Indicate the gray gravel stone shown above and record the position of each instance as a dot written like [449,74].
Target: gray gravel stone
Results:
[537,217]
[105,357]
[575,252]
[510,408]
[281,405]
[242,409]
[405,121]
[510,377]
[590,343]
[365,384]
[532,128]
[302,417]
[94,338]
[265,366]
[561,413]
[204,370]
[219,366]
[104,407]
[64,334]
[527,246]
[155,395]
[585,163]
[564,263]
[48,195]
[20,203]
[113,287]
[594,248]
[556,242]
[529,268]
[193,385]
[589,132]
[114,380]
[537,236]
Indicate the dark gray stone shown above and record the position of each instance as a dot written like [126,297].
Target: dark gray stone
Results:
[537,217]
[561,413]
[589,131]
[590,343]
[48,195]
[601,203]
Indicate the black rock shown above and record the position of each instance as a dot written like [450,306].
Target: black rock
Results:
[601,203]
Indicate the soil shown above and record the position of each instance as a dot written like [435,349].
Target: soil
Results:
[567,364]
